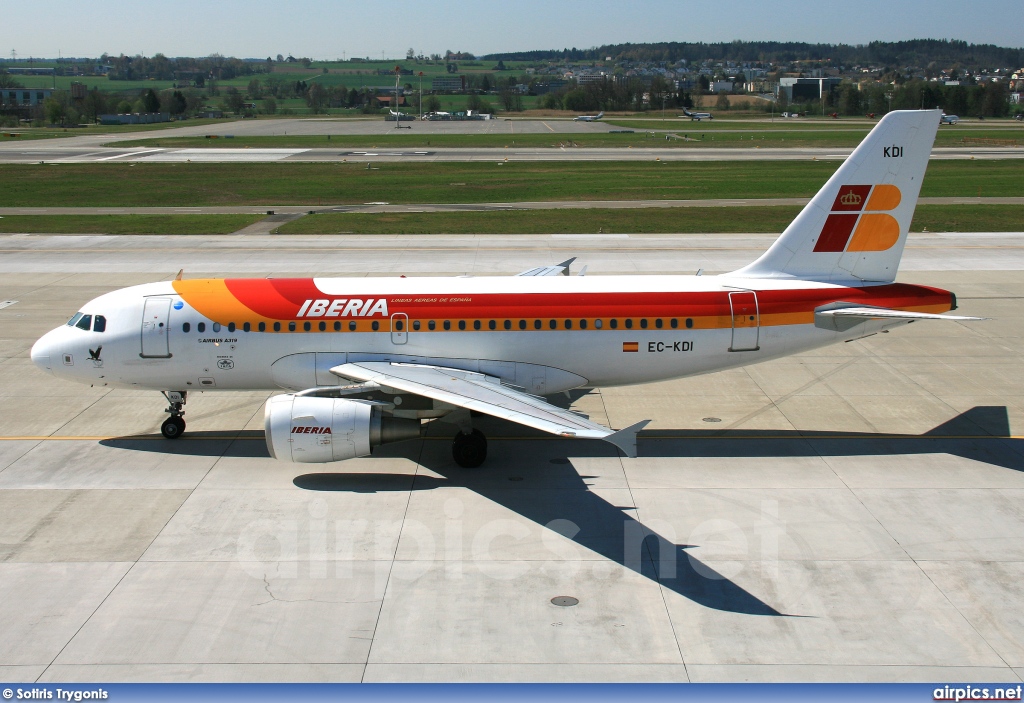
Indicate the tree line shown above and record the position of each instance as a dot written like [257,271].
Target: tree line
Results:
[915,52]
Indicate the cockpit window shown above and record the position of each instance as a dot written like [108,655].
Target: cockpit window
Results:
[74,320]
[85,323]
[99,324]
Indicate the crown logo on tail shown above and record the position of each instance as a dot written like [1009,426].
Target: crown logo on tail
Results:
[851,199]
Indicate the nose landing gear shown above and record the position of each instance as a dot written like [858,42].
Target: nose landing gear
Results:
[174,426]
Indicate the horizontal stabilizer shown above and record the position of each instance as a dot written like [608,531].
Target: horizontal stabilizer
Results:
[887,314]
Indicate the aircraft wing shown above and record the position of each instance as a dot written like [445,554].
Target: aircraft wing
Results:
[556,270]
[487,394]
[887,314]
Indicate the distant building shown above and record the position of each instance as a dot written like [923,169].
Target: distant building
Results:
[448,84]
[722,86]
[137,118]
[24,97]
[548,87]
[585,78]
[801,89]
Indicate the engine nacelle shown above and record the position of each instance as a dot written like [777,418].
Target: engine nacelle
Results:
[313,430]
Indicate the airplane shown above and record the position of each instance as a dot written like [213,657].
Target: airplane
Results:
[949,119]
[698,115]
[366,361]
[588,118]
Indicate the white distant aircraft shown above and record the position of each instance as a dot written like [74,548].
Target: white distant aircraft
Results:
[588,118]
[367,361]
[949,119]
[698,115]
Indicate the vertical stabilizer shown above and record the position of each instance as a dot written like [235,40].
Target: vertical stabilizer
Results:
[855,228]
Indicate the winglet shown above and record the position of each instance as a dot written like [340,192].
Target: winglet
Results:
[625,439]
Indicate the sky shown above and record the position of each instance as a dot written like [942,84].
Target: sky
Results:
[337,29]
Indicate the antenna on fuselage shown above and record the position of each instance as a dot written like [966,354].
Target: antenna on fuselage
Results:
[180,272]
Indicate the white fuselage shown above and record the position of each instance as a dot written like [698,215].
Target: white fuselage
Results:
[546,334]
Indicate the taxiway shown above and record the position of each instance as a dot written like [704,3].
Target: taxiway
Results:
[848,514]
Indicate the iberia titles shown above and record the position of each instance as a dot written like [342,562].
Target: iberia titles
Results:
[344,307]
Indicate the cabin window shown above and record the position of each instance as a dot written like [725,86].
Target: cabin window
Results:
[462,324]
[522,324]
[629,324]
[614,323]
[673,323]
[508,324]
[598,324]
[689,323]
[657,323]
[246,327]
[186,327]
[476,324]
[568,324]
[416,324]
[536,324]
[399,325]
[337,326]
[277,326]
[99,324]
[491,325]
[323,326]
[375,326]
[262,327]
[352,325]
[86,322]
[291,326]
[553,324]
[231,327]
[447,324]
[201,327]
[216,327]
[643,323]
[583,324]
[431,325]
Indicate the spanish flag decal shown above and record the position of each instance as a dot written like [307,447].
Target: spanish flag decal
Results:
[631,346]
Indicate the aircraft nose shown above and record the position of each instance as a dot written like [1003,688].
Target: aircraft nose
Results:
[42,351]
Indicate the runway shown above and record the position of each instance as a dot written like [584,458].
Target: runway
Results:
[90,148]
[41,152]
[849,514]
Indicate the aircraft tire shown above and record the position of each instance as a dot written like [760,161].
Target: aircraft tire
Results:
[469,450]
[173,427]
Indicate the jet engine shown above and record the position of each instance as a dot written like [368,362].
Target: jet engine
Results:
[314,430]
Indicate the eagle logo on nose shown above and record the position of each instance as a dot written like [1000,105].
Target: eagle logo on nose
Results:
[94,356]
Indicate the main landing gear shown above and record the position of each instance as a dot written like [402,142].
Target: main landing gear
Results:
[174,426]
[469,449]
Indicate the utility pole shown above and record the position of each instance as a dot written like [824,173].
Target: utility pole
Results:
[421,95]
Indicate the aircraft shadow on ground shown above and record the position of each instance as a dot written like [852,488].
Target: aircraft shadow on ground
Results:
[981,434]
[610,531]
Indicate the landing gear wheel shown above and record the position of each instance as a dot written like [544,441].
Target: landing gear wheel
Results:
[469,450]
[173,427]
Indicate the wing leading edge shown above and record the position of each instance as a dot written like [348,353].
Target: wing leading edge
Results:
[487,394]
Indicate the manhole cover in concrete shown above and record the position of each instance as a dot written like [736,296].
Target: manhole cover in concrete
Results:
[565,601]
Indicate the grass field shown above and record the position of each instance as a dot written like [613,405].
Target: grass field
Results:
[752,219]
[159,184]
[126,224]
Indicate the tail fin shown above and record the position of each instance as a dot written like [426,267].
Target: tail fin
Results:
[856,226]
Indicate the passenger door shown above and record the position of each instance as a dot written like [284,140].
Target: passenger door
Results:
[155,320]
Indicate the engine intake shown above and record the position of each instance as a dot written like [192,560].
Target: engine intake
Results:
[312,430]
